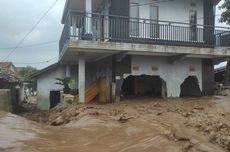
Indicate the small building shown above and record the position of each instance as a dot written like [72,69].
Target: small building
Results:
[9,87]
[46,79]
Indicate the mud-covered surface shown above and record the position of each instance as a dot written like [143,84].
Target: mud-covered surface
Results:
[146,125]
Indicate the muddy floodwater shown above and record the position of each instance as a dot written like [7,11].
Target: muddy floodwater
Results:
[137,125]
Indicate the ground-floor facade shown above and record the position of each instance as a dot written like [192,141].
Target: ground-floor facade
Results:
[111,71]
[132,75]
[156,76]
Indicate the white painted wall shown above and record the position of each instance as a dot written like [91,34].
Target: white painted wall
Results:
[46,83]
[176,10]
[173,74]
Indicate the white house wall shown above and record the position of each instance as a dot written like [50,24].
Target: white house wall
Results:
[46,83]
[174,11]
[173,74]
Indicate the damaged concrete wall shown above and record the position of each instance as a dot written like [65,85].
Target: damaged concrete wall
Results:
[173,74]
[5,100]
[190,87]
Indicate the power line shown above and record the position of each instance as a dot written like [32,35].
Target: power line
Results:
[152,3]
[41,62]
[32,45]
[30,31]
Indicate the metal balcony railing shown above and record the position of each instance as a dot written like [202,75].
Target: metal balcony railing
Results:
[98,27]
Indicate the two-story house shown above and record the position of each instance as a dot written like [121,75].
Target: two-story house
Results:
[162,48]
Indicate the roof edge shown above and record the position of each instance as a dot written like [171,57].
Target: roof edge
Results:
[40,72]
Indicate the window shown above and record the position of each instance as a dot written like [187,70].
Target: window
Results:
[134,21]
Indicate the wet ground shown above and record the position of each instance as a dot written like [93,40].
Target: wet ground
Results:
[146,125]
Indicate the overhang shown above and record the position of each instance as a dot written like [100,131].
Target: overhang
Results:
[96,50]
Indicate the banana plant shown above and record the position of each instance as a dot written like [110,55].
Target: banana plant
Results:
[65,82]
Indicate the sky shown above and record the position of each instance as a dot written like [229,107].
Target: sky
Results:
[19,16]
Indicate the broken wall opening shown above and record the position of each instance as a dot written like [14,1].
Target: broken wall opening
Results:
[144,85]
[190,87]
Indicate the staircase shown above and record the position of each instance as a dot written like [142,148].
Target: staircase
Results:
[90,92]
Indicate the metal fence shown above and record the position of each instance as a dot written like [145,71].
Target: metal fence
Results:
[98,27]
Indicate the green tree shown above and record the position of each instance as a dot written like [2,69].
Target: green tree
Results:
[26,71]
[225,16]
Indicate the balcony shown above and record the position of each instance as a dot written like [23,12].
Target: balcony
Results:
[110,28]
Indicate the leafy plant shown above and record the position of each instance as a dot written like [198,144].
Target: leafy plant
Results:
[225,16]
[65,82]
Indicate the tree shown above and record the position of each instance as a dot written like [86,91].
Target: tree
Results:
[65,82]
[26,71]
[225,16]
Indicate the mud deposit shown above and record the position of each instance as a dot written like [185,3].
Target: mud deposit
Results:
[137,125]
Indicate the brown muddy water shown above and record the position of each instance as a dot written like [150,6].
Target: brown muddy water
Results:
[152,126]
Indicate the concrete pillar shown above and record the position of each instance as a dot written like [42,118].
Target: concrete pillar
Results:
[113,93]
[173,88]
[67,72]
[88,9]
[81,78]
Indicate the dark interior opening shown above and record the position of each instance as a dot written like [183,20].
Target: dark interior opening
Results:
[190,87]
[144,85]
[55,98]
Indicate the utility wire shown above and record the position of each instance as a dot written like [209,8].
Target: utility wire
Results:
[41,62]
[32,45]
[30,31]
[152,3]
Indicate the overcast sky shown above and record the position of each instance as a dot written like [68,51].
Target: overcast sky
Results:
[17,18]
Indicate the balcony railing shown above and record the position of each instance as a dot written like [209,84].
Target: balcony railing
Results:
[98,27]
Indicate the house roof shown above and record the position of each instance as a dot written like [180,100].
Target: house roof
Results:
[42,71]
[8,72]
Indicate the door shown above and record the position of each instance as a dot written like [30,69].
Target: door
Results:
[102,90]
[193,25]
[154,28]
[134,20]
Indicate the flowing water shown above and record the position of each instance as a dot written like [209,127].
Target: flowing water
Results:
[150,133]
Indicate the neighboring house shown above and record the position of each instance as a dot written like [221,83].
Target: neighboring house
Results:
[142,47]
[8,73]
[46,79]
[9,80]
